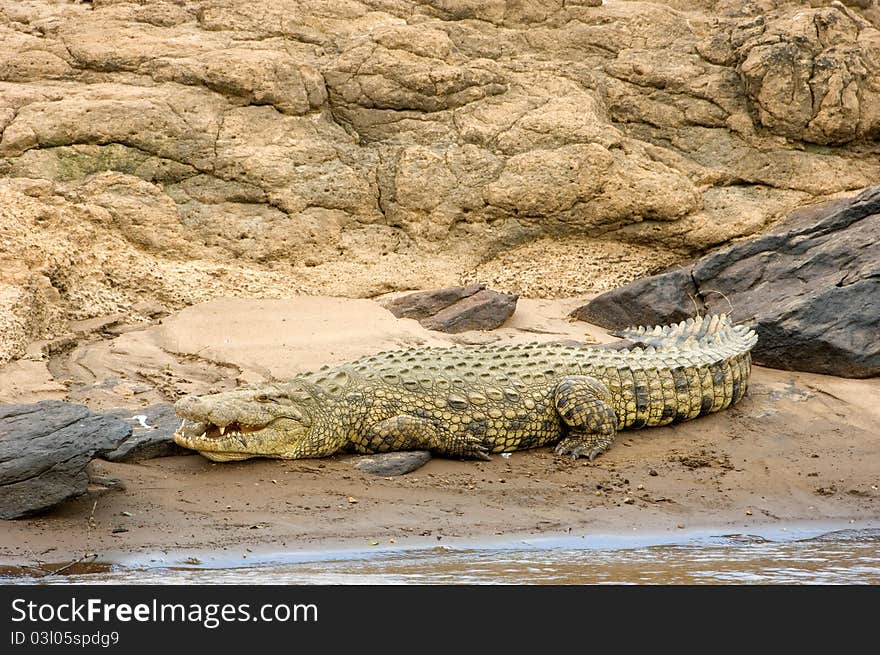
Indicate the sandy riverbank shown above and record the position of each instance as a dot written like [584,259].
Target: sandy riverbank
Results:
[799,447]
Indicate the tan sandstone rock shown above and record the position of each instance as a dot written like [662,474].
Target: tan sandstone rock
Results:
[180,150]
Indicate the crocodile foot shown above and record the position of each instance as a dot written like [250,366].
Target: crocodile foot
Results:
[578,447]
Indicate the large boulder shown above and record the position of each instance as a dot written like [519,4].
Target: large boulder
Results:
[44,450]
[656,299]
[810,288]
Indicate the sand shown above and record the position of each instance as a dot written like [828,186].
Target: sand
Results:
[798,448]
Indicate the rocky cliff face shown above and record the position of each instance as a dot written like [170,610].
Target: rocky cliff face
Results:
[178,150]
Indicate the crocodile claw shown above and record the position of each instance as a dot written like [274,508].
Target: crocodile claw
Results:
[480,452]
[587,451]
[475,448]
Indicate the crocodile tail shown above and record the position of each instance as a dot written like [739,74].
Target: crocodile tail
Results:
[682,371]
[697,329]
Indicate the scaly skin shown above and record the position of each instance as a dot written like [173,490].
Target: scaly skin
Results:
[469,402]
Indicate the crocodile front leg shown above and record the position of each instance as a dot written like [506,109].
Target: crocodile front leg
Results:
[584,404]
[405,432]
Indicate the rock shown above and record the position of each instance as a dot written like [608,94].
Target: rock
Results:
[44,450]
[810,75]
[485,310]
[810,289]
[456,309]
[392,464]
[403,67]
[424,304]
[169,153]
[147,442]
[670,296]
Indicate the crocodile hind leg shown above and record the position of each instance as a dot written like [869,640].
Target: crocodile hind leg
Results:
[405,432]
[584,405]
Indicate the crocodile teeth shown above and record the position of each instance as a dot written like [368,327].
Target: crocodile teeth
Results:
[222,429]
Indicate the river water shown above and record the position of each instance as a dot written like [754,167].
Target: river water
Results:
[773,556]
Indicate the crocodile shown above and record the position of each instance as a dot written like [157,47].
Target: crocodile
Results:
[471,401]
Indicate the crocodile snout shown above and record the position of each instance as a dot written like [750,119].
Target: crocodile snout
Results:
[191,407]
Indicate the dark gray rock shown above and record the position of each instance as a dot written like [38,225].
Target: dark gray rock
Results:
[44,450]
[456,309]
[424,304]
[485,310]
[673,298]
[391,464]
[810,289]
[147,442]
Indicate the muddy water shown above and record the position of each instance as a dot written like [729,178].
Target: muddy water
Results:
[784,555]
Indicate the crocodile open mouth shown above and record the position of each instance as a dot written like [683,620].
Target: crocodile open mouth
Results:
[192,430]
[234,441]
[234,429]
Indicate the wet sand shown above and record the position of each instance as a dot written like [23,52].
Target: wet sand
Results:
[798,448]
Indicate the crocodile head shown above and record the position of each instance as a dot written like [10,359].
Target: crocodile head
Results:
[265,421]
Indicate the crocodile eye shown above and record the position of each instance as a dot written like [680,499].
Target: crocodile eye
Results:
[266,398]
